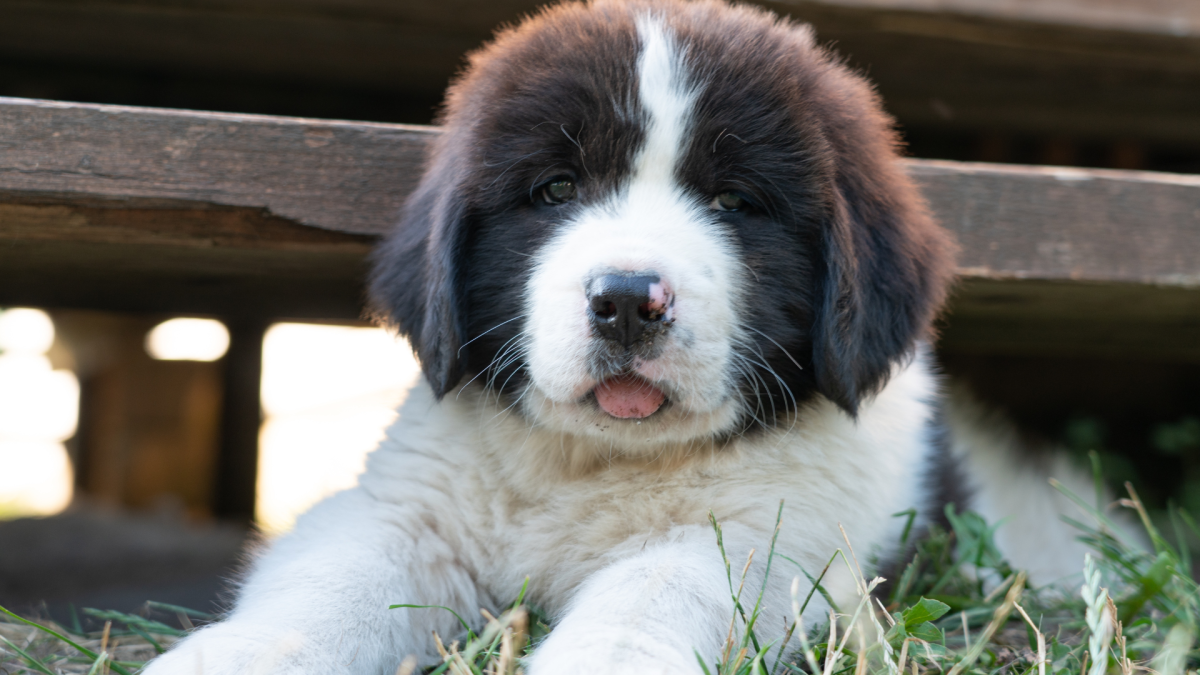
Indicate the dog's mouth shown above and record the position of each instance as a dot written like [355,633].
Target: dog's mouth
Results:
[629,397]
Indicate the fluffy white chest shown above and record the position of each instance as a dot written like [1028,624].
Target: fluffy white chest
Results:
[516,502]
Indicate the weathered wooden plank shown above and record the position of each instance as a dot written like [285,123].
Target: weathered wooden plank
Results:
[1073,319]
[169,258]
[1056,223]
[1113,68]
[195,179]
[152,210]
[347,176]
[1070,263]
[1076,69]
[1177,18]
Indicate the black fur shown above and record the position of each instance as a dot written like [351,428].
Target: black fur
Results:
[945,482]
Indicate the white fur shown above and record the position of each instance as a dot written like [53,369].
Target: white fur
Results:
[1010,488]
[650,223]
[457,508]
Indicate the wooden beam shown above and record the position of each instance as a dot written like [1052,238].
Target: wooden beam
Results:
[230,185]
[1073,319]
[1056,223]
[67,153]
[141,209]
[71,256]
[241,422]
[1177,18]
[119,208]
[147,428]
[1108,68]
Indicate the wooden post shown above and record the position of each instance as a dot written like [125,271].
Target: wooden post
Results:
[148,429]
[241,418]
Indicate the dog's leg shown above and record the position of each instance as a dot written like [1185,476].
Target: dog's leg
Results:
[654,611]
[317,601]
[1009,479]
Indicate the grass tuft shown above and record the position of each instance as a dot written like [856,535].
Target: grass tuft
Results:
[957,608]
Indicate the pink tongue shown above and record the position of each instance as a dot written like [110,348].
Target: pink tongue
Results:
[629,397]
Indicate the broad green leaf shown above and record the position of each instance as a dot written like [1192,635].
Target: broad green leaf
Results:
[925,610]
[927,632]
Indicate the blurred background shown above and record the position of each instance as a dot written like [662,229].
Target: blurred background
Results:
[128,468]
[123,437]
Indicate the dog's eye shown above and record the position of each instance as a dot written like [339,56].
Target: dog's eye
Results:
[559,191]
[728,201]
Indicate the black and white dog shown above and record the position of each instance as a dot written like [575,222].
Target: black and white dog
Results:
[663,261]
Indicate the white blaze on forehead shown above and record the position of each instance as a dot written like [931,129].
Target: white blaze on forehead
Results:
[667,99]
[650,224]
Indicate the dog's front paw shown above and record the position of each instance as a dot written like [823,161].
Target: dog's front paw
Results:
[224,650]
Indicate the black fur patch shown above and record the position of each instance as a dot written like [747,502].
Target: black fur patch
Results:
[945,482]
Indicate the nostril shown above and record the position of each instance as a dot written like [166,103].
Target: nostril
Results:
[603,308]
[650,311]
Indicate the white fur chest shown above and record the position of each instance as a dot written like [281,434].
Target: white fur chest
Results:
[517,503]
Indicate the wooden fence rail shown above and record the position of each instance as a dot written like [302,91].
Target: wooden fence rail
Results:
[137,209]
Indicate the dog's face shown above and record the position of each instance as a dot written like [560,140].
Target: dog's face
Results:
[660,222]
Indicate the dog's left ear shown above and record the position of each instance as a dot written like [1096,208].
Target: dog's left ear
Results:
[887,269]
[415,283]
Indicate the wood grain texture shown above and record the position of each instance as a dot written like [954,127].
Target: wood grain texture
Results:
[1168,17]
[72,153]
[176,259]
[1056,223]
[152,210]
[1083,68]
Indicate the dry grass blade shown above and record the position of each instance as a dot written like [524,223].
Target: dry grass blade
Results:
[408,666]
[123,654]
[1041,639]
[999,618]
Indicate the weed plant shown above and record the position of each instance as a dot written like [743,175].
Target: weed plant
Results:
[956,608]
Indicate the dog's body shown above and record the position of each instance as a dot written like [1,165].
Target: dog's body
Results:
[662,263]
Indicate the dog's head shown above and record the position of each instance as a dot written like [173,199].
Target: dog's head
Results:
[662,221]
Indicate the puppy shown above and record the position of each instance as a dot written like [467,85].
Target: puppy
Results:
[662,262]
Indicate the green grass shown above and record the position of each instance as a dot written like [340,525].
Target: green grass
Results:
[956,608]
[123,645]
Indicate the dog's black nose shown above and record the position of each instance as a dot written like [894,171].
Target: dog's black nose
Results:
[626,308]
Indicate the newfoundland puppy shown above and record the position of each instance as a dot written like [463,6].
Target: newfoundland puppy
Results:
[663,261]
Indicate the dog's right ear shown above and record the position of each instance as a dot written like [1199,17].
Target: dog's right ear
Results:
[415,277]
